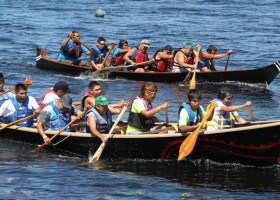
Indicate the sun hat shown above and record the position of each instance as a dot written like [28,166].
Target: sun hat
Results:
[61,85]
[66,101]
[145,43]
[101,100]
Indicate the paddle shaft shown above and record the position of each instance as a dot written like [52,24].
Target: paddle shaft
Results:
[80,41]
[166,115]
[108,53]
[18,121]
[193,80]
[106,69]
[60,131]
[251,113]
[99,151]
[26,82]
[226,65]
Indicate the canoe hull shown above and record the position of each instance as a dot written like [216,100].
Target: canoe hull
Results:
[264,75]
[255,145]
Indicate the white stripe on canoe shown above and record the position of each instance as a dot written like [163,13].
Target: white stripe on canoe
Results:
[277,64]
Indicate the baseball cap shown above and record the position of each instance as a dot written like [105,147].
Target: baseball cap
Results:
[66,101]
[61,85]
[145,43]
[168,48]
[101,100]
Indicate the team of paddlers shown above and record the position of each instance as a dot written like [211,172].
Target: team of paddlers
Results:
[164,59]
[56,109]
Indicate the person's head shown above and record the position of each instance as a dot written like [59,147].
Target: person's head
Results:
[61,88]
[194,98]
[144,45]
[123,44]
[188,48]
[212,49]
[226,95]
[77,35]
[64,103]
[148,91]
[2,82]
[101,42]
[167,49]
[94,88]
[101,104]
[21,92]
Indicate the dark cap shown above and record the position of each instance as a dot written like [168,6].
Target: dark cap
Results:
[168,48]
[66,101]
[61,85]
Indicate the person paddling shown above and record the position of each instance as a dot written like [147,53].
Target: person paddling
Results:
[225,114]
[7,95]
[191,113]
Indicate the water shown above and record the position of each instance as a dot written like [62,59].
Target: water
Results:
[249,28]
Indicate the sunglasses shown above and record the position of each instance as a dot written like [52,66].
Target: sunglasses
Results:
[153,93]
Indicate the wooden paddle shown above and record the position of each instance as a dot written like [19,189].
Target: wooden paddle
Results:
[107,55]
[188,144]
[99,151]
[193,80]
[117,68]
[226,65]
[251,113]
[18,121]
[27,82]
[166,115]
[80,41]
[61,130]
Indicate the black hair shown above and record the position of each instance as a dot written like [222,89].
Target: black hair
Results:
[194,94]
[20,86]
[100,39]
[211,48]
[225,92]
[122,42]
[92,84]
[2,76]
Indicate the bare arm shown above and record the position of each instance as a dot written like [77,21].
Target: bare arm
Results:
[234,108]
[181,61]
[216,56]
[161,55]
[128,55]
[152,112]
[41,131]
[92,126]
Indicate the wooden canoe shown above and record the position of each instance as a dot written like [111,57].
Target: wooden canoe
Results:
[263,75]
[256,143]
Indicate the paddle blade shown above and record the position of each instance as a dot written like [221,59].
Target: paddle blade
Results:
[192,85]
[188,144]
[98,153]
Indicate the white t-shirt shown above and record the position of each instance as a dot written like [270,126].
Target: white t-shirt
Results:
[8,108]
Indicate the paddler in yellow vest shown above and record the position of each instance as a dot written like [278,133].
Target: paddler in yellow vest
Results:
[225,115]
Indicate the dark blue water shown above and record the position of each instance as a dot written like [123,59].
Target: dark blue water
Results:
[251,29]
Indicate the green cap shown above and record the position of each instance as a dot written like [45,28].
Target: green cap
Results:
[101,100]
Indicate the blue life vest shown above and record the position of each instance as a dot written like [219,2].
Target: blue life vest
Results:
[21,112]
[60,120]
[101,55]
[192,118]
[103,122]
[5,97]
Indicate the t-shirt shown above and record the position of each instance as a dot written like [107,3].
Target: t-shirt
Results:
[8,108]
[136,107]
[6,97]
[50,97]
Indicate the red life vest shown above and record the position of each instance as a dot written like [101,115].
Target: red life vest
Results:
[141,57]
[162,64]
[43,97]
[119,60]
[189,60]
[87,94]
